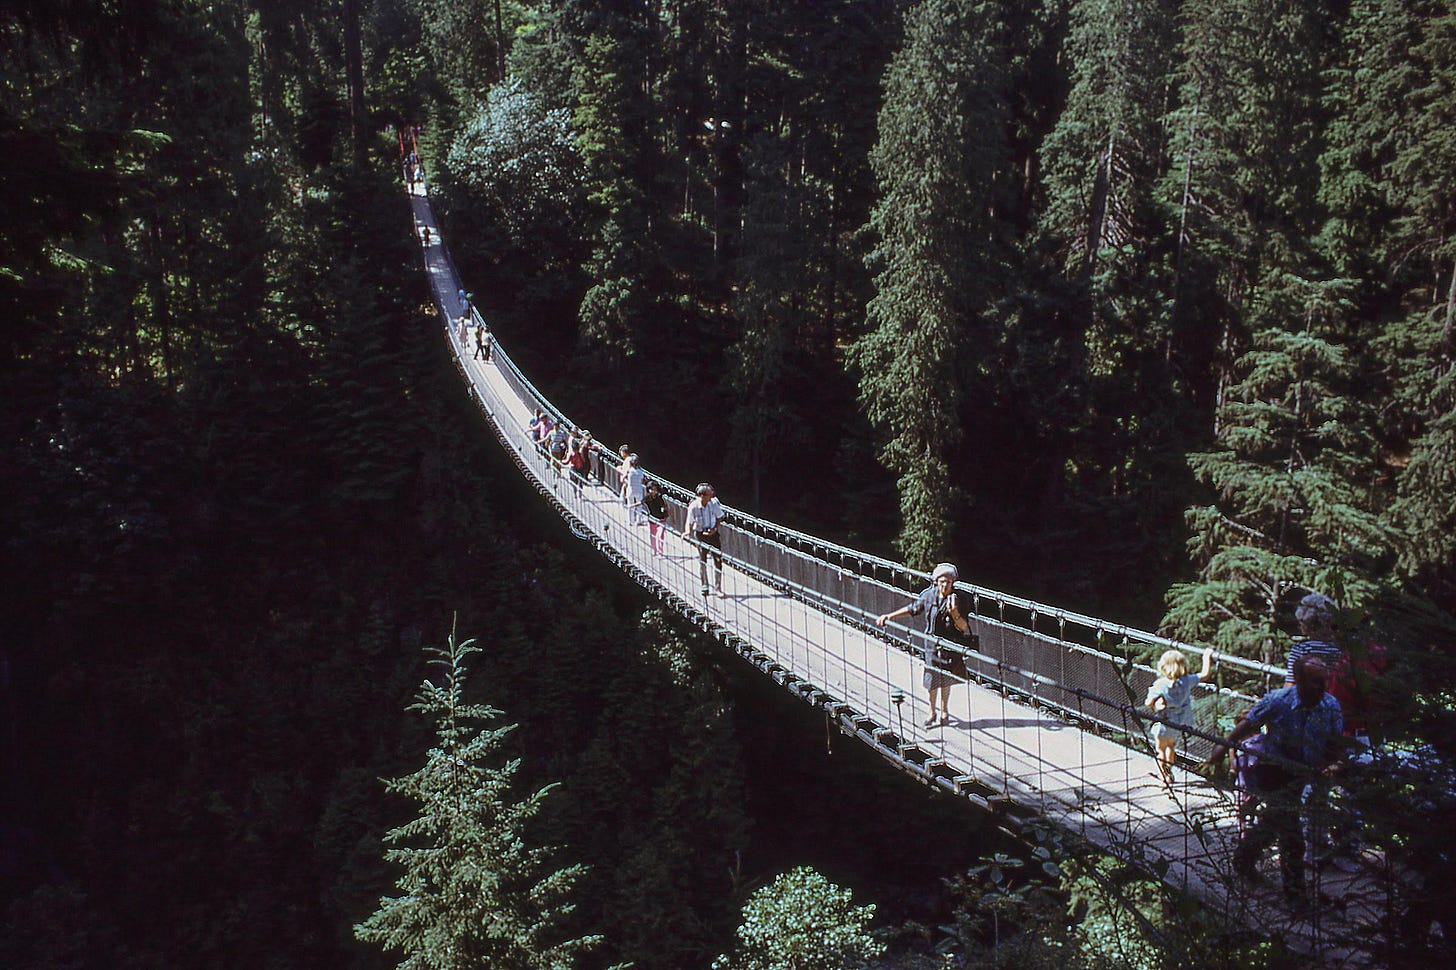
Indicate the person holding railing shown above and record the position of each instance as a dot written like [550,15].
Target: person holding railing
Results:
[1171,695]
[556,444]
[541,427]
[1304,727]
[943,614]
[705,514]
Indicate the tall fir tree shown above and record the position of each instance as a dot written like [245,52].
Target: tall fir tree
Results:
[474,891]
[1103,158]
[1102,166]
[1392,164]
[940,151]
[611,126]
[1241,186]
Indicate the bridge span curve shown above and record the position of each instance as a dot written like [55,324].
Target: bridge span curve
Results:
[1050,725]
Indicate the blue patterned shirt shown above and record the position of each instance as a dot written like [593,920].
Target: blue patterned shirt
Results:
[1300,732]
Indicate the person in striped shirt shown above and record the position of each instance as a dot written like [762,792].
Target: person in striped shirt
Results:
[1315,615]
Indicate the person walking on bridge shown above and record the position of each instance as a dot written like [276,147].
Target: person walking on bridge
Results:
[1304,727]
[705,514]
[1171,695]
[594,458]
[944,617]
[656,508]
[633,491]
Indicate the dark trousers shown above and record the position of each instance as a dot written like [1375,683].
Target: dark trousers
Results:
[1277,821]
[709,539]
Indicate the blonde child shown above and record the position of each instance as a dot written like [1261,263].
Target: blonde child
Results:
[1172,696]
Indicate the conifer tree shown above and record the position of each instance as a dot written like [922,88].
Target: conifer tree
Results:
[1103,162]
[474,892]
[941,149]
[610,121]
[1241,187]
[1103,157]
[1293,475]
[773,290]
[1392,165]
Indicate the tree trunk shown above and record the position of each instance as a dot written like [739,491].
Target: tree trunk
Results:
[1450,309]
[354,68]
[161,302]
[1097,210]
[500,45]
[1183,209]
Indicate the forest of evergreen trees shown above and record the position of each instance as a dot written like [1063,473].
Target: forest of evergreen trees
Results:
[1142,308]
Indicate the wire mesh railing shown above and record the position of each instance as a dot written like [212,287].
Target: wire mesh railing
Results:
[807,610]
[1086,668]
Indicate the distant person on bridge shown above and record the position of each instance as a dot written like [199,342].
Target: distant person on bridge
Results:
[943,618]
[464,299]
[482,343]
[656,508]
[633,491]
[705,514]
[1171,695]
[595,462]
[1304,728]
[541,427]
[556,444]
[576,461]
[623,452]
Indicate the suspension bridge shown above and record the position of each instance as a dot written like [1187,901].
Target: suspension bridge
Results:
[1049,725]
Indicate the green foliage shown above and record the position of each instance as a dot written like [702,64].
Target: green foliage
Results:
[461,38]
[1104,237]
[802,921]
[475,891]
[936,163]
[516,162]
[1389,164]
[1106,151]
[398,75]
[1293,481]
[607,122]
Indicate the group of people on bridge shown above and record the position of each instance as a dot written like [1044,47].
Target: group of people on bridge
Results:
[574,453]
[1287,746]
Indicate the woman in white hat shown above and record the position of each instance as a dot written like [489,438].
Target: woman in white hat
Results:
[943,613]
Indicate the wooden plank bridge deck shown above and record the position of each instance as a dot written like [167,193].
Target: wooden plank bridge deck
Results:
[1015,759]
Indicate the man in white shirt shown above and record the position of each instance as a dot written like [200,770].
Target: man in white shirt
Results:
[705,514]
